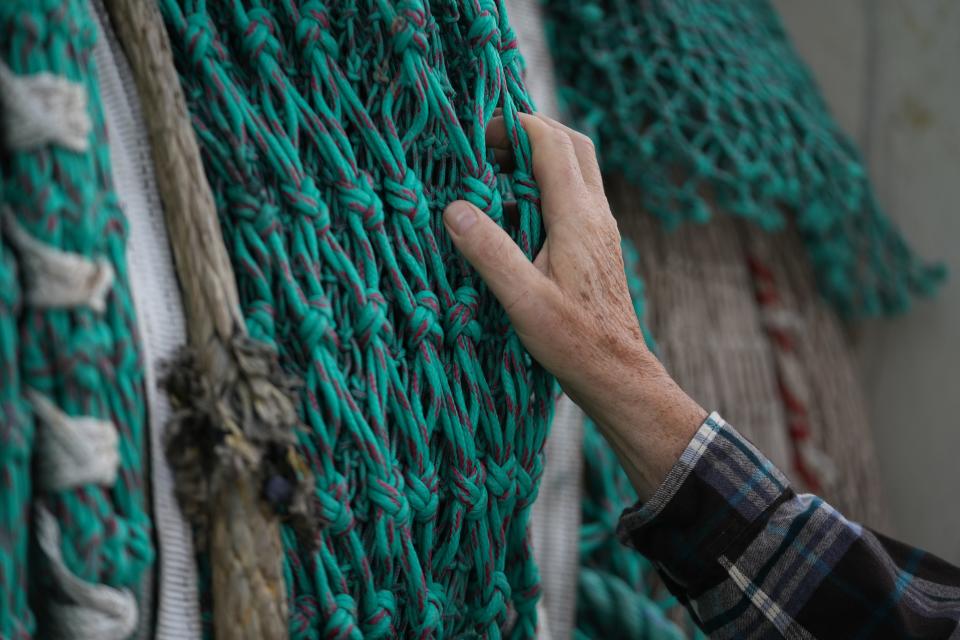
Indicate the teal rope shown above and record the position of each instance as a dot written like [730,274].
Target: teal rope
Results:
[333,134]
[16,443]
[87,362]
[617,610]
[706,107]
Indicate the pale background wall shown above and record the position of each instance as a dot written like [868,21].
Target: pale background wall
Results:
[889,69]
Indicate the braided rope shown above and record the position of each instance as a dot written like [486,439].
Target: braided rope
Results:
[333,135]
[707,107]
[76,350]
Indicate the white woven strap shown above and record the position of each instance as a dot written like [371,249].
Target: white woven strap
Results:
[54,278]
[80,609]
[73,450]
[43,108]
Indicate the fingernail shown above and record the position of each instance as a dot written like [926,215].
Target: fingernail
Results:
[459,216]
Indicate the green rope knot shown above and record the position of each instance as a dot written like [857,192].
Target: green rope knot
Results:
[402,196]
[407,28]
[313,31]
[461,316]
[484,30]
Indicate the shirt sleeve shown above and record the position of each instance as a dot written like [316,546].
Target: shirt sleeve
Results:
[752,559]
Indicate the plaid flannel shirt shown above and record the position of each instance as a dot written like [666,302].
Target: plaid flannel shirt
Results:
[752,559]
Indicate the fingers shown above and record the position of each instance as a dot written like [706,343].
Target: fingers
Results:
[586,154]
[511,277]
[547,137]
[496,136]
[556,170]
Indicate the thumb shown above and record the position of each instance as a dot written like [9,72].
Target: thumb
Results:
[510,275]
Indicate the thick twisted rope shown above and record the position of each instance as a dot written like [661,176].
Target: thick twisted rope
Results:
[333,135]
[231,440]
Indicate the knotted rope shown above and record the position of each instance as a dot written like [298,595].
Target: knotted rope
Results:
[332,136]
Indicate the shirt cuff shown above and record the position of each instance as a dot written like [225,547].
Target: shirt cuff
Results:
[713,502]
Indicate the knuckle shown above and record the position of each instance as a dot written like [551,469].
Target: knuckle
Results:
[583,140]
[561,138]
[537,129]
[604,217]
[612,227]
[516,301]
[527,295]
[614,237]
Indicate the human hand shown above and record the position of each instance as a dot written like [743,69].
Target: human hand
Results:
[571,307]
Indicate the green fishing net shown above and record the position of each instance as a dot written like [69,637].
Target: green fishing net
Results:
[706,107]
[333,134]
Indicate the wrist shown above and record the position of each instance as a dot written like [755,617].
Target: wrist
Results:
[646,417]
[618,394]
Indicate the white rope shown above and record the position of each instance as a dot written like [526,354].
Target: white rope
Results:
[41,109]
[783,319]
[80,609]
[817,459]
[55,278]
[794,377]
[73,450]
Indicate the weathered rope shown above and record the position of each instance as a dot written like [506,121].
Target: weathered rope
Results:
[333,134]
[231,440]
[72,386]
[169,600]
